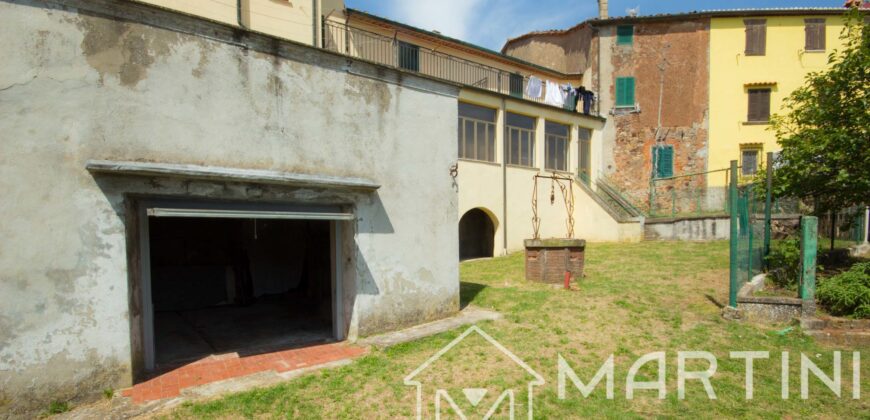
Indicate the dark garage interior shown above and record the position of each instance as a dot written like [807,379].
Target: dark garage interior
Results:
[238,285]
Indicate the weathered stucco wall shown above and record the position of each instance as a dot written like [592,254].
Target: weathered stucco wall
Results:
[77,84]
[566,51]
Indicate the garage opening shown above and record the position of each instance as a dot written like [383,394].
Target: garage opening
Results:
[476,235]
[221,285]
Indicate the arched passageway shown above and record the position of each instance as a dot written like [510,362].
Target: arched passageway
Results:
[476,235]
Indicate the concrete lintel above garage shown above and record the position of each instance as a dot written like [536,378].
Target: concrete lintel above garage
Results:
[215,173]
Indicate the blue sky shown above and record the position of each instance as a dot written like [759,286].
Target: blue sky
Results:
[490,22]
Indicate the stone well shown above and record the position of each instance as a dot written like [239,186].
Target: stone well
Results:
[547,260]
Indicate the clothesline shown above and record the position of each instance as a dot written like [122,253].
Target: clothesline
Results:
[564,96]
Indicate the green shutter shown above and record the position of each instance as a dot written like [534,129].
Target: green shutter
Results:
[663,161]
[625,91]
[624,35]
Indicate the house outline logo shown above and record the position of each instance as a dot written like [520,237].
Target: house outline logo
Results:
[474,395]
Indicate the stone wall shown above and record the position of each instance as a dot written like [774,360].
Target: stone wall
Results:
[669,61]
[687,229]
[116,80]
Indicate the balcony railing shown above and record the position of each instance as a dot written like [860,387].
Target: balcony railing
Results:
[376,48]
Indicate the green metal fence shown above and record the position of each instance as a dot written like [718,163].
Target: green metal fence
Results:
[749,211]
[844,225]
[693,194]
[750,207]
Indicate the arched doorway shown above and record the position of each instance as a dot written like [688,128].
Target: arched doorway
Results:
[476,235]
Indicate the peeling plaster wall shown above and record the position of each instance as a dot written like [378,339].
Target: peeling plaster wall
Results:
[682,49]
[77,84]
[566,51]
[628,136]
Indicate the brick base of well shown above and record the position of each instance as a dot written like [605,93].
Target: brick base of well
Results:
[547,260]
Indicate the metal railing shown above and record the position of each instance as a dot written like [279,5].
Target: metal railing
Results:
[380,49]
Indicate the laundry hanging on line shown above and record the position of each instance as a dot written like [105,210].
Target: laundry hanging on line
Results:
[553,95]
[534,88]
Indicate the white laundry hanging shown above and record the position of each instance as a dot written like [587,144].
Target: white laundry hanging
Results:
[554,95]
[534,88]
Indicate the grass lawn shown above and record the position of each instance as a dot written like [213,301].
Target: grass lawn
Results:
[634,299]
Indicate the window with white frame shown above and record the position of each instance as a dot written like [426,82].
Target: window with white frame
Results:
[556,146]
[521,140]
[476,132]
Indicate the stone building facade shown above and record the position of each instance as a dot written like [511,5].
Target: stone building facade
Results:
[667,64]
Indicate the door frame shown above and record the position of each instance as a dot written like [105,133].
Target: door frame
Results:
[144,208]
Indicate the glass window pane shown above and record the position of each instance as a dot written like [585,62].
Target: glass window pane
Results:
[531,156]
[515,147]
[469,139]
[491,142]
[750,162]
[460,139]
[556,128]
[481,141]
[520,121]
[476,112]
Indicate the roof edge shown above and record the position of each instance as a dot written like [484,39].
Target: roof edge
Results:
[702,14]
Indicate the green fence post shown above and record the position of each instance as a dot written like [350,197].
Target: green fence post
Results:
[750,212]
[732,205]
[767,209]
[809,248]
[652,198]
[673,202]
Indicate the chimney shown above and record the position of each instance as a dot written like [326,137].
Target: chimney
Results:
[602,9]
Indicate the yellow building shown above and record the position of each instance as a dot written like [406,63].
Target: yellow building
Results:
[297,21]
[756,60]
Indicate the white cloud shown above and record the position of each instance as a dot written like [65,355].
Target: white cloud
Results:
[454,18]
[489,23]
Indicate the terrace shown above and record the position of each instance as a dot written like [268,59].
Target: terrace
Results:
[393,52]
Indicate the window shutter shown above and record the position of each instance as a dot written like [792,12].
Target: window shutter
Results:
[759,105]
[756,36]
[629,91]
[764,105]
[663,161]
[620,88]
[624,35]
[815,34]
[753,106]
[625,91]
[666,162]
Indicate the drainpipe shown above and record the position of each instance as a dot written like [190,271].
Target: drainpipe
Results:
[504,147]
[239,14]
[315,14]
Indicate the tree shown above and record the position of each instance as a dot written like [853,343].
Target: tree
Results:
[824,132]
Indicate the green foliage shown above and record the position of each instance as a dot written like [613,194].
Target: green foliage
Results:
[825,130]
[785,263]
[58,407]
[847,294]
[108,393]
